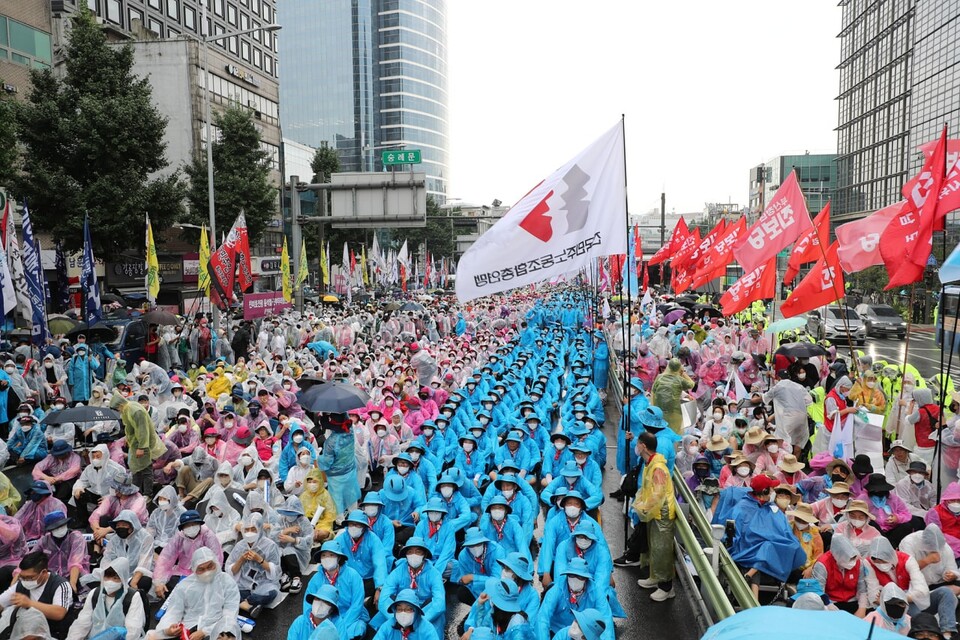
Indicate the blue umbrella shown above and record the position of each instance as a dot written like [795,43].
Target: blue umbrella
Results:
[795,624]
[786,324]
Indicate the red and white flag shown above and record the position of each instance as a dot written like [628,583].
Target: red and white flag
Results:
[576,214]
[783,221]
[677,236]
[807,249]
[713,263]
[860,240]
[690,244]
[821,286]
[757,284]
[232,253]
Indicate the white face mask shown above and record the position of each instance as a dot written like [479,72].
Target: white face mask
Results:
[163,504]
[434,516]
[498,514]
[329,563]
[415,560]
[182,428]
[954,507]
[576,584]
[206,577]
[250,537]
[446,491]
[882,566]
[477,550]
[97,463]
[245,461]
[847,565]
[559,445]
[468,447]
[572,511]
[801,376]
[583,543]
[802,526]
[871,384]
[743,472]
[298,438]
[403,470]
[404,618]
[354,531]
[371,511]
[717,416]
[917,478]
[574,632]
[60,532]
[30,585]
[839,502]
[320,609]
[773,448]
[192,531]
[111,587]
[59,407]
[508,493]
[857,523]
[304,460]
[415,456]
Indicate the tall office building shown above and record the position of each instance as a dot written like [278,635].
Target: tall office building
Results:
[898,87]
[365,76]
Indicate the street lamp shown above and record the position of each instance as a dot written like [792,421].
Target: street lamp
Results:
[206,40]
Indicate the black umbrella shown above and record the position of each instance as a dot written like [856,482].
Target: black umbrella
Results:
[332,397]
[97,331]
[686,300]
[710,310]
[81,414]
[161,317]
[411,306]
[801,350]
[307,382]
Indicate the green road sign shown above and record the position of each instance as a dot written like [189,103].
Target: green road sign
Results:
[410,156]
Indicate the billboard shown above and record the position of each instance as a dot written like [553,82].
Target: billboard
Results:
[371,200]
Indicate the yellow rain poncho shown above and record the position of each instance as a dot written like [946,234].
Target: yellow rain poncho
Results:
[320,498]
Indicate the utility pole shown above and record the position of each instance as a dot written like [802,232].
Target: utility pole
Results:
[663,218]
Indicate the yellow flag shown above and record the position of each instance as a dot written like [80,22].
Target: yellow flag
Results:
[363,265]
[203,276]
[323,267]
[285,272]
[153,266]
[303,273]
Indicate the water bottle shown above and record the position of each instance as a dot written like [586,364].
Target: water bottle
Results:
[246,624]
[162,610]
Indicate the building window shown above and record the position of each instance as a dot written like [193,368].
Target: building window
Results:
[244,21]
[190,18]
[173,10]
[92,5]
[218,7]
[136,14]
[257,58]
[113,11]
[155,4]
[232,14]
[26,42]
[155,26]
[232,44]
[268,65]
[245,50]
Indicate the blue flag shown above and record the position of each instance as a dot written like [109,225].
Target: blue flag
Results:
[92,312]
[62,302]
[36,288]
[629,274]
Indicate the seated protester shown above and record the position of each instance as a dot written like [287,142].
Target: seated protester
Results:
[323,620]
[790,470]
[476,563]
[588,466]
[408,621]
[520,496]
[334,571]
[704,485]
[94,481]
[403,469]
[415,571]
[739,473]
[498,613]
[195,475]
[26,444]
[164,467]
[512,449]
[185,435]
[295,539]
[372,507]
[862,468]
[559,528]
[66,431]
[402,507]
[587,624]
[805,529]
[785,497]
[459,515]
[59,469]
[221,518]
[294,447]
[890,514]
[203,601]
[66,549]
[946,516]
[40,503]
[897,467]
[577,592]
[9,496]
[470,461]
[267,489]
[939,568]
[917,493]
[891,613]
[466,489]
[12,547]
[124,496]
[831,510]
[175,562]
[364,551]
[895,567]
[519,569]
[165,519]
[38,588]
[111,605]
[924,626]
[856,527]
[843,576]
[239,442]
[437,534]
[500,527]
[554,456]
[246,469]
[422,466]
[254,563]
[130,541]
[297,474]
[763,543]
[583,544]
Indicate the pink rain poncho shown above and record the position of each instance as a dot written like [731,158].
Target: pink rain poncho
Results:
[31,515]
[67,553]
[174,560]
[13,545]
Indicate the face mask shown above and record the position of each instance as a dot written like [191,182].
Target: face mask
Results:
[206,577]
[320,609]
[329,564]
[26,427]
[773,448]
[446,492]
[907,388]
[572,511]
[381,433]
[355,531]
[857,523]
[182,428]
[304,460]
[574,632]
[583,543]
[96,462]
[287,386]
[415,560]
[802,526]
[506,574]
[435,516]
[498,514]
[509,493]
[801,376]
[559,445]
[954,507]
[882,566]
[917,478]
[477,550]
[298,438]
[250,537]
[59,407]
[403,469]
[210,440]
[871,384]
[847,565]
[9,369]
[371,511]
[415,456]
[111,587]
[718,416]
[783,502]
[576,584]
[743,472]
[468,447]
[163,504]
[192,531]
[404,618]
[839,502]
[60,532]
[246,461]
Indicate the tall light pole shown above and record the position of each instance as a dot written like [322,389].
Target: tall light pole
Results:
[206,40]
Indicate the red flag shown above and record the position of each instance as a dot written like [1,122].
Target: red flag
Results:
[823,285]
[683,279]
[807,248]
[677,236]
[234,251]
[426,272]
[758,284]
[245,276]
[923,193]
[693,259]
[403,278]
[616,269]
[690,244]
[783,221]
[3,223]
[713,263]
[637,248]
[950,191]
[860,240]
[646,277]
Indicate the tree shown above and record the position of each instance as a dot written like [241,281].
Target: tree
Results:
[325,162]
[91,142]
[441,241]
[241,176]
[8,142]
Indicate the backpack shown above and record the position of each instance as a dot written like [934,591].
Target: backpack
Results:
[127,599]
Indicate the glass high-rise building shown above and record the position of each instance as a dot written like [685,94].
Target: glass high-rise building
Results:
[365,76]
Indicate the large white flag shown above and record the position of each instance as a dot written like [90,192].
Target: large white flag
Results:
[17,275]
[574,215]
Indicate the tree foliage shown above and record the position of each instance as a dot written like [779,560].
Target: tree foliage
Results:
[92,143]
[241,176]
[8,141]
[325,162]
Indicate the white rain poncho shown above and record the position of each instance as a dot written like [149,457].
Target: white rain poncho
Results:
[98,480]
[205,605]
[108,612]
[137,548]
[221,517]
[163,524]
[299,528]
[252,576]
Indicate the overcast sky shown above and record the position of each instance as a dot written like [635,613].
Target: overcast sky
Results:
[709,90]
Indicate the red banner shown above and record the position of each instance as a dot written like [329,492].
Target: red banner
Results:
[860,240]
[758,284]
[713,263]
[783,221]
[235,251]
[807,249]
[823,285]
[677,236]
[690,244]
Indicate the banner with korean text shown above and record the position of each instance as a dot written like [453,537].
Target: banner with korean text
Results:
[258,305]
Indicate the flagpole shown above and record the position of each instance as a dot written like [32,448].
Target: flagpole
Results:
[629,351]
[944,375]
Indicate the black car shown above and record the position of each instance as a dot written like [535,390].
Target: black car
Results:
[881,319]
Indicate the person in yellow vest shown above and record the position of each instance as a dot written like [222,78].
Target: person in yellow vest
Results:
[656,508]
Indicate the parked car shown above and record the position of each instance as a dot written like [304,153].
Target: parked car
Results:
[827,323]
[881,319]
[131,342]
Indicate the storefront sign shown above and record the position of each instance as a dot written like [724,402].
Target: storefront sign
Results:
[242,74]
